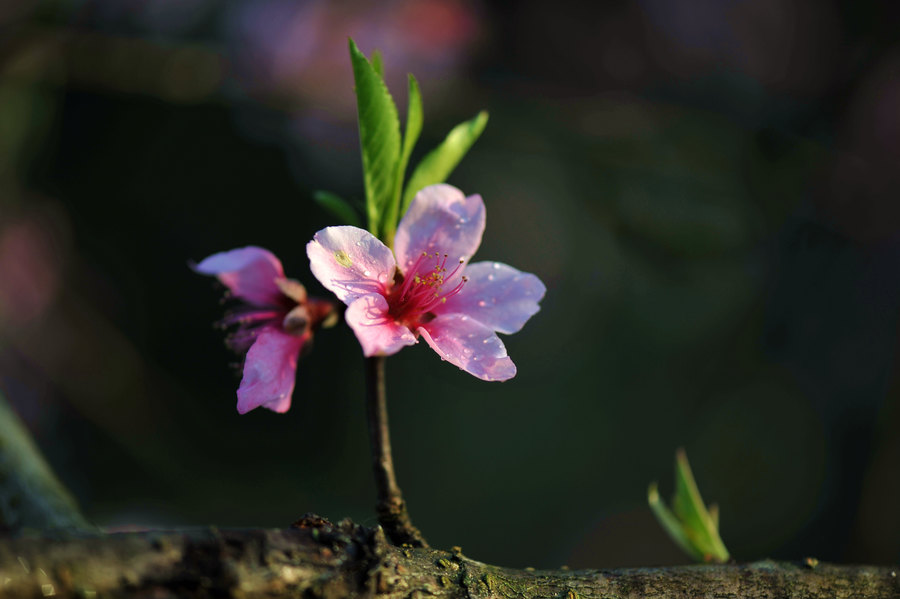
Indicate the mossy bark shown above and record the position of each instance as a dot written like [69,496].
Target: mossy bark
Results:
[316,559]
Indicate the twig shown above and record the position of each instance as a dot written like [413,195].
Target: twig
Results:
[391,507]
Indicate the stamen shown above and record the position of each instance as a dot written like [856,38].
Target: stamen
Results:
[443,298]
[241,340]
[419,293]
[411,275]
[458,266]
[248,317]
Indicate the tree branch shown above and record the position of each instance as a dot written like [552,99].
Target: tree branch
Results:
[319,560]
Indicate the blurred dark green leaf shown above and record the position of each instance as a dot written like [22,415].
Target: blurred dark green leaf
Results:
[337,206]
[31,496]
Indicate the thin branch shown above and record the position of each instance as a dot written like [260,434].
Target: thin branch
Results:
[391,508]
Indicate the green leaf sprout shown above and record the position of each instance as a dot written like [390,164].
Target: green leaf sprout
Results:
[690,524]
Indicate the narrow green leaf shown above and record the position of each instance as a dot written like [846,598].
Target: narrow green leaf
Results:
[378,63]
[690,524]
[379,136]
[687,503]
[440,162]
[415,116]
[670,523]
[337,206]
[688,506]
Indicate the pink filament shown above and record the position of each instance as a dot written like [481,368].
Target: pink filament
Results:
[419,295]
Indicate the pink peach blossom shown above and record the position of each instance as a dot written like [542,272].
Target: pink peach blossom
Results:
[274,324]
[430,289]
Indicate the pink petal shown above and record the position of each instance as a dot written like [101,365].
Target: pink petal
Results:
[496,295]
[350,262]
[440,220]
[376,331]
[269,372]
[470,345]
[249,273]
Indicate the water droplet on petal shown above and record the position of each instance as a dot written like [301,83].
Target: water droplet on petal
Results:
[490,277]
[366,273]
[496,265]
[482,303]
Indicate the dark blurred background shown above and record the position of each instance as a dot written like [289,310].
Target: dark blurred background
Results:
[708,188]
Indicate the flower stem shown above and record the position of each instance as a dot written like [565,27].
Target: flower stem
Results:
[391,508]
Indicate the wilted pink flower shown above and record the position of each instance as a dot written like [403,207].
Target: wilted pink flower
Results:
[274,324]
[430,290]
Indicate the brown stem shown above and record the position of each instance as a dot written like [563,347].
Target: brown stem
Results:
[391,508]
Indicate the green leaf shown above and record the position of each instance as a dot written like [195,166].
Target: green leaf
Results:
[690,524]
[337,206]
[670,523]
[440,162]
[414,118]
[378,63]
[379,137]
[687,503]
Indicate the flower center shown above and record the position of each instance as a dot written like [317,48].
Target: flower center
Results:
[421,290]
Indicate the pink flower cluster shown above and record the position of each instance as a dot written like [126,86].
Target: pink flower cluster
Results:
[430,289]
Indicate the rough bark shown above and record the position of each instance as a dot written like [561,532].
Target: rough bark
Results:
[316,559]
